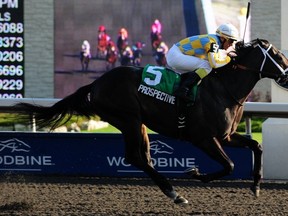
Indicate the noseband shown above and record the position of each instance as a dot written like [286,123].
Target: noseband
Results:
[266,54]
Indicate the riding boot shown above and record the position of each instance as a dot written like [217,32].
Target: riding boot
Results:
[183,91]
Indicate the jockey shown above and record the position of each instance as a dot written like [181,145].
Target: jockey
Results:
[161,52]
[122,40]
[111,56]
[155,35]
[85,49]
[103,38]
[199,54]
[156,26]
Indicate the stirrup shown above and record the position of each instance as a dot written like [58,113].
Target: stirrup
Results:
[183,94]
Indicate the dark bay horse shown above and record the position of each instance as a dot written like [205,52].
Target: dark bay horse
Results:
[211,122]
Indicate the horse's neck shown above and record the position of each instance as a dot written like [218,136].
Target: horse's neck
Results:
[236,84]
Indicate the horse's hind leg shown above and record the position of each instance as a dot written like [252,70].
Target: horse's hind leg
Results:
[240,141]
[136,154]
[213,148]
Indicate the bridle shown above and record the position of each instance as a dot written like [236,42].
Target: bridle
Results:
[261,72]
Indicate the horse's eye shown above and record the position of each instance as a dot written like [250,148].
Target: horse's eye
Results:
[279,56]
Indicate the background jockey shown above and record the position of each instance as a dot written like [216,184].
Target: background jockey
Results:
[137,53]
[127,56]
[155,35]
[122,41]
[103,39]
[85,49]
[111,56]
[161,52]
[201,53]
[156,26]
[85,55]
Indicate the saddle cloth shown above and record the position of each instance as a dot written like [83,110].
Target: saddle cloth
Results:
[160,79]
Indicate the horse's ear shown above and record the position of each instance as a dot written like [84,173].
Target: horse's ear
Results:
[259,41]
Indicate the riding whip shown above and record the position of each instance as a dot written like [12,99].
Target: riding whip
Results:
[247,16]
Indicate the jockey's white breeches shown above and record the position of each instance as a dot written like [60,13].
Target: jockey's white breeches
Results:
[185,63]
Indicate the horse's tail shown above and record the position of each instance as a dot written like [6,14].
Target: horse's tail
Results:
[77,103]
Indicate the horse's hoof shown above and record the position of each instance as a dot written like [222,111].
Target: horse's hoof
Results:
[171,194]
[256,190]
[192,171]
[179,200]
[257,193]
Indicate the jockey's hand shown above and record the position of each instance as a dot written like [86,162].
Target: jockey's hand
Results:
[231,52]
[230,49]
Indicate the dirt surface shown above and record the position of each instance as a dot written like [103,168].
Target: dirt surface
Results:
[34,195]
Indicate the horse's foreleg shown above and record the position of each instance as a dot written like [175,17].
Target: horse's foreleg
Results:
[146,145]
[136,153]
[87,63]
[237,140]
[82,64]
[213,148]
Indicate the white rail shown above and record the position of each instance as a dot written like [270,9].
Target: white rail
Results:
[276,110]
[266,109]
[7,104]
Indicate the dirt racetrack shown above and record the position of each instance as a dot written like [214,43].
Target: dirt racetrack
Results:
[42,195]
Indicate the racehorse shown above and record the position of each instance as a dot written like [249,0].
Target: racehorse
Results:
[210,123]
[111,56]
[137,53]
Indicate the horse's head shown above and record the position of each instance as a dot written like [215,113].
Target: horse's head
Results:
[262,57]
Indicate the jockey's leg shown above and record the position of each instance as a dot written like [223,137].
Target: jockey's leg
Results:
[186,86]
[187,63]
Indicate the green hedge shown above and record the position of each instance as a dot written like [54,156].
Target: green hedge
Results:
[256,125]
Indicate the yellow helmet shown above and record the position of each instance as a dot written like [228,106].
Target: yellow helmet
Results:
[228,31]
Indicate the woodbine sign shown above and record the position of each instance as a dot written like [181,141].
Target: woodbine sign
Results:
[103,155]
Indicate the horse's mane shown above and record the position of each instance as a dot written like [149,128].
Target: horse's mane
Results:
[242,48]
